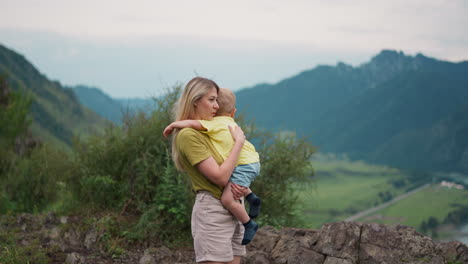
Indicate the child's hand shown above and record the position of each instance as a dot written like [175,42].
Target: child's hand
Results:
[237,134]
[168,130]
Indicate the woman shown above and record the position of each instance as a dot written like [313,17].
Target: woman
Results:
[216,233]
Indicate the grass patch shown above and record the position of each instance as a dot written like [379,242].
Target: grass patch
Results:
[434,201]
[343,188]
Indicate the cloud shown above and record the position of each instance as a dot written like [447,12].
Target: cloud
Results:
[240,42]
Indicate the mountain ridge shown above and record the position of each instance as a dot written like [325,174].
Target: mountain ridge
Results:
[57,115]
[355,110]
[113,109]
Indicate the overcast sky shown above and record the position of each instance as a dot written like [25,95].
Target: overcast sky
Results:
[135,48]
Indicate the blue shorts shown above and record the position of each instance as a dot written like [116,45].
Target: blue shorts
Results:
[245,174]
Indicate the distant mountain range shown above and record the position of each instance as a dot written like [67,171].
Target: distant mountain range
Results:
[404,111]
[56,112]
[399,110]
[112,109]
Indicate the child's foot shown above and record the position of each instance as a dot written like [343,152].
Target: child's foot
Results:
[249,233]
[254,205]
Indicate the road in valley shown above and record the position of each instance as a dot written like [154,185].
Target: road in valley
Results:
[384,205]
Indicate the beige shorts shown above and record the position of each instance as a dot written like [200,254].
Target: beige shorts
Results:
[217,234]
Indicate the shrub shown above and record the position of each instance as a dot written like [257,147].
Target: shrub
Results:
[285,164]
[29,173]
[129,169]
[33,183]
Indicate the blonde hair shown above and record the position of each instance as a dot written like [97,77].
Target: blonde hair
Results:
[226,102]
[185,107]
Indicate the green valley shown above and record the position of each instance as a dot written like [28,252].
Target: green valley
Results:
[343,188]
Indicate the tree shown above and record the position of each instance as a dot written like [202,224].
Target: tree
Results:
[14,121]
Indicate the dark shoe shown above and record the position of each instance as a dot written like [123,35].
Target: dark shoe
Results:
[254,205]
[249,233]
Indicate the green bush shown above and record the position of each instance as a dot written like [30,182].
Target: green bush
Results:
[129,169]
[14,122]
[169,213]
[33,183]
[285,164]
[128,161]
[29,171]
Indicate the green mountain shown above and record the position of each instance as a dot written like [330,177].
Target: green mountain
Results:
[443,146]
[110,108]
[359,110]
[99,102]
[56,112]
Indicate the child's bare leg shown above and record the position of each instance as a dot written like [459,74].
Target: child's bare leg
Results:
[236,208]
[254,201]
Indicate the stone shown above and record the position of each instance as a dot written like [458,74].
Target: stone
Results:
[332,260]
[75,258]
[54,233]
[393,244]
[334,243]
[268,237]
[254,257]
[50,219]
[90,239]
[339,240]
[72,237]
[163,254]
[64,220]
[305,256]
[453,251]
[147,259]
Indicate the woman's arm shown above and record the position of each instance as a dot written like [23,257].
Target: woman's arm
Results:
[195,124]
[220,174]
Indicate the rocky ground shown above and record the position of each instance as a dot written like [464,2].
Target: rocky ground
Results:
[52,239]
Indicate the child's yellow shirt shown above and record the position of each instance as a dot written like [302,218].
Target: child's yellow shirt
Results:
[218,132]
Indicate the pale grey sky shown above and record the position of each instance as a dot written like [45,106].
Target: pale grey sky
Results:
[134,48]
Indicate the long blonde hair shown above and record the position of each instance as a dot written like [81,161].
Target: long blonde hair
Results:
[185,107]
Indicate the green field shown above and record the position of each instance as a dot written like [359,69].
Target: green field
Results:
[342,188]
[434,201]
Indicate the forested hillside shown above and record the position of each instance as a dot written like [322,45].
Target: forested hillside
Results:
[57,115]
[99,102]
[390,110]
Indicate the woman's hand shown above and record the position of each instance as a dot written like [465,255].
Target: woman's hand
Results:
[237,191]
[237,134]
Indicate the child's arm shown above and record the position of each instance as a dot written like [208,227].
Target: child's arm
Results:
[195,124]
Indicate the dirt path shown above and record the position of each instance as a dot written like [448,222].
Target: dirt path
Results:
[384,205]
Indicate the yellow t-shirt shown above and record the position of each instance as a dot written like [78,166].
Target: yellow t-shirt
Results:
[194,147]
[218,131]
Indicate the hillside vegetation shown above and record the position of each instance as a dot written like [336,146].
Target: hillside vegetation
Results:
[56,113]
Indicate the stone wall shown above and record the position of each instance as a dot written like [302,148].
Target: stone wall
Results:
[67,241]
[351,243]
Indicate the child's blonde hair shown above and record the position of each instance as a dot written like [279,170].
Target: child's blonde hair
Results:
[226,102]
